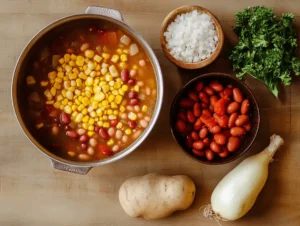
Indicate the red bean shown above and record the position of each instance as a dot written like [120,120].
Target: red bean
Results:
[186,103]
[245,107]
[131,82]
[209,90]
[132,124]
[189,142]
[193,96]
[220,138]
[228,92]
[206,112]
[204,97]
[72,134]
[194,135]
[203,133]
[125,75]
[103,133]
[204,106]
[241,120]
[213,99]
[230,86]
[224,153]
[198,152]
[211,108]
[83,146]
[134,101]
[199,86]
[237,95]
[64,118]
[67,128]
[208,121]
[190,116]
[198,124]
[181,116]
[198,145]
[97,128]
[197,109]
[114,122]
[232,118]
[206,141]
[232,107]
[216,129]
[237,131]
[132,94]
[233,144]
[180,126]
[215,147]
[84,138]
[105,150]
[248,126]
[216,86]
[209,154]
[220,106]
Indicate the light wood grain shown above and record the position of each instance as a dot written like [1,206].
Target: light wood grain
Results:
[34,194]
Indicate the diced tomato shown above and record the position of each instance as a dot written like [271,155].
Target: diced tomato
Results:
[208,121]
[108,38]
[220,106]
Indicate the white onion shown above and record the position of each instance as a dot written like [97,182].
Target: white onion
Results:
[133,49]
[125,40]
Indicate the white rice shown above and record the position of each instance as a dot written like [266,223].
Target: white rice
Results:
[192,37]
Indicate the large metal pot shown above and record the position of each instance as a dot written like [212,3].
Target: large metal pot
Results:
[101,15]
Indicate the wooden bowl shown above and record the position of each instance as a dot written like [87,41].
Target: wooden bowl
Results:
[171,17]
[224,79]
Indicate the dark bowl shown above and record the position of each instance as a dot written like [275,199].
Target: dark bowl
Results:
[254,115]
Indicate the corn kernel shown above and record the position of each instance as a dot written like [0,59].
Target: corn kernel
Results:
[99,96]
[111,98]
[105,88]
[74,115]
[119,125]
[77,102]
[91,128]
[115,58]
[85,101]
[110,142]
[69,95]
[79,61]
[90,133]
[121,92]
[67,57]
[52,75]
[62,107]
[93,114]
[66,78]
[123,65]
[89,81]
[93,74]
[73,57]
[64,101]
[113,71]
[79,117]
[100,123]
[57,105]
[119,51]
[114,105]
[72,63]
[89,53]
[80,107]
[85,118]
[135,67]
[60,74]
[50,102]
[128,131]
[104,117]
[144,108]
[59,69]
[122,108]
[53,91]
[124,57]
[97,58]
[68,109]
[40,125]
[103,71]
[118,99]
[132,116]
[112,117]
[84,111]
[61,60]
[57,86]
[97,68]
[48,94]
[85,125]
[74,107]
[108,77]
[59,97]
[68,68]
[136,88]
[115,92]
[88,94]
[124,88]
[126,51]
[106,125]
[104,103]
[105,55]
[58,80]
[44,83]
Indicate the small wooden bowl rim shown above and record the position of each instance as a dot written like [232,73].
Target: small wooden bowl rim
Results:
[171,17]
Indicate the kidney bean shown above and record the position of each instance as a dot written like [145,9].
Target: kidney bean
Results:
[125,75]
[84,138]
[226,133]
[181,116]
[203,133]
[237,131]
[72,134]
[233,107]
[206,141]
[224,153]
[103,133]
[132,124]
[204,106]
[222,120]
[83,146]
[204,97]
[232,118]
[132,94]
[193,96]
[97,129]
[67,128]
[189,142]
[114,122]
[220,106]
[228,92]
[216,129]
[209,154]
[83,157]
[209,90]
[180,126]
[220,138]
[198,145]
[237,95]
[215,147]
[134,101]
[245,107]
[230,86]
[199,86]
[213,99]
[64,118]
[211,108]
[131,82]
[206,112]
[216,86]
[55,130]
[233,144]
[198,124]
[105,150]
[198,152]
[197,109]
[186,103]
[208,121]
[190,116]
[248,126]
[241,120]
[194,135]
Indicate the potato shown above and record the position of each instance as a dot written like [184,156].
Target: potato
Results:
[156,196]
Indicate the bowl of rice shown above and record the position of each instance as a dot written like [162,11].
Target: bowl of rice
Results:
[191,37]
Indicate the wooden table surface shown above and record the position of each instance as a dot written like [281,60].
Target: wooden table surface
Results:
[34,194]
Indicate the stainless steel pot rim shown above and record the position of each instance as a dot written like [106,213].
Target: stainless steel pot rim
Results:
[159,80]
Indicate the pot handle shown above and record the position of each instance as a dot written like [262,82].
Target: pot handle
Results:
[73,169]
[113,13]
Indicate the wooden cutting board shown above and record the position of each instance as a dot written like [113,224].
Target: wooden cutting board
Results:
[34,194]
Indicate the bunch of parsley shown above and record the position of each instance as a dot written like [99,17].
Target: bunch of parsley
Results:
[267,47]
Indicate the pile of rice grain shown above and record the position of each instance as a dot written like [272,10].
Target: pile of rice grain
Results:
[192,37]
